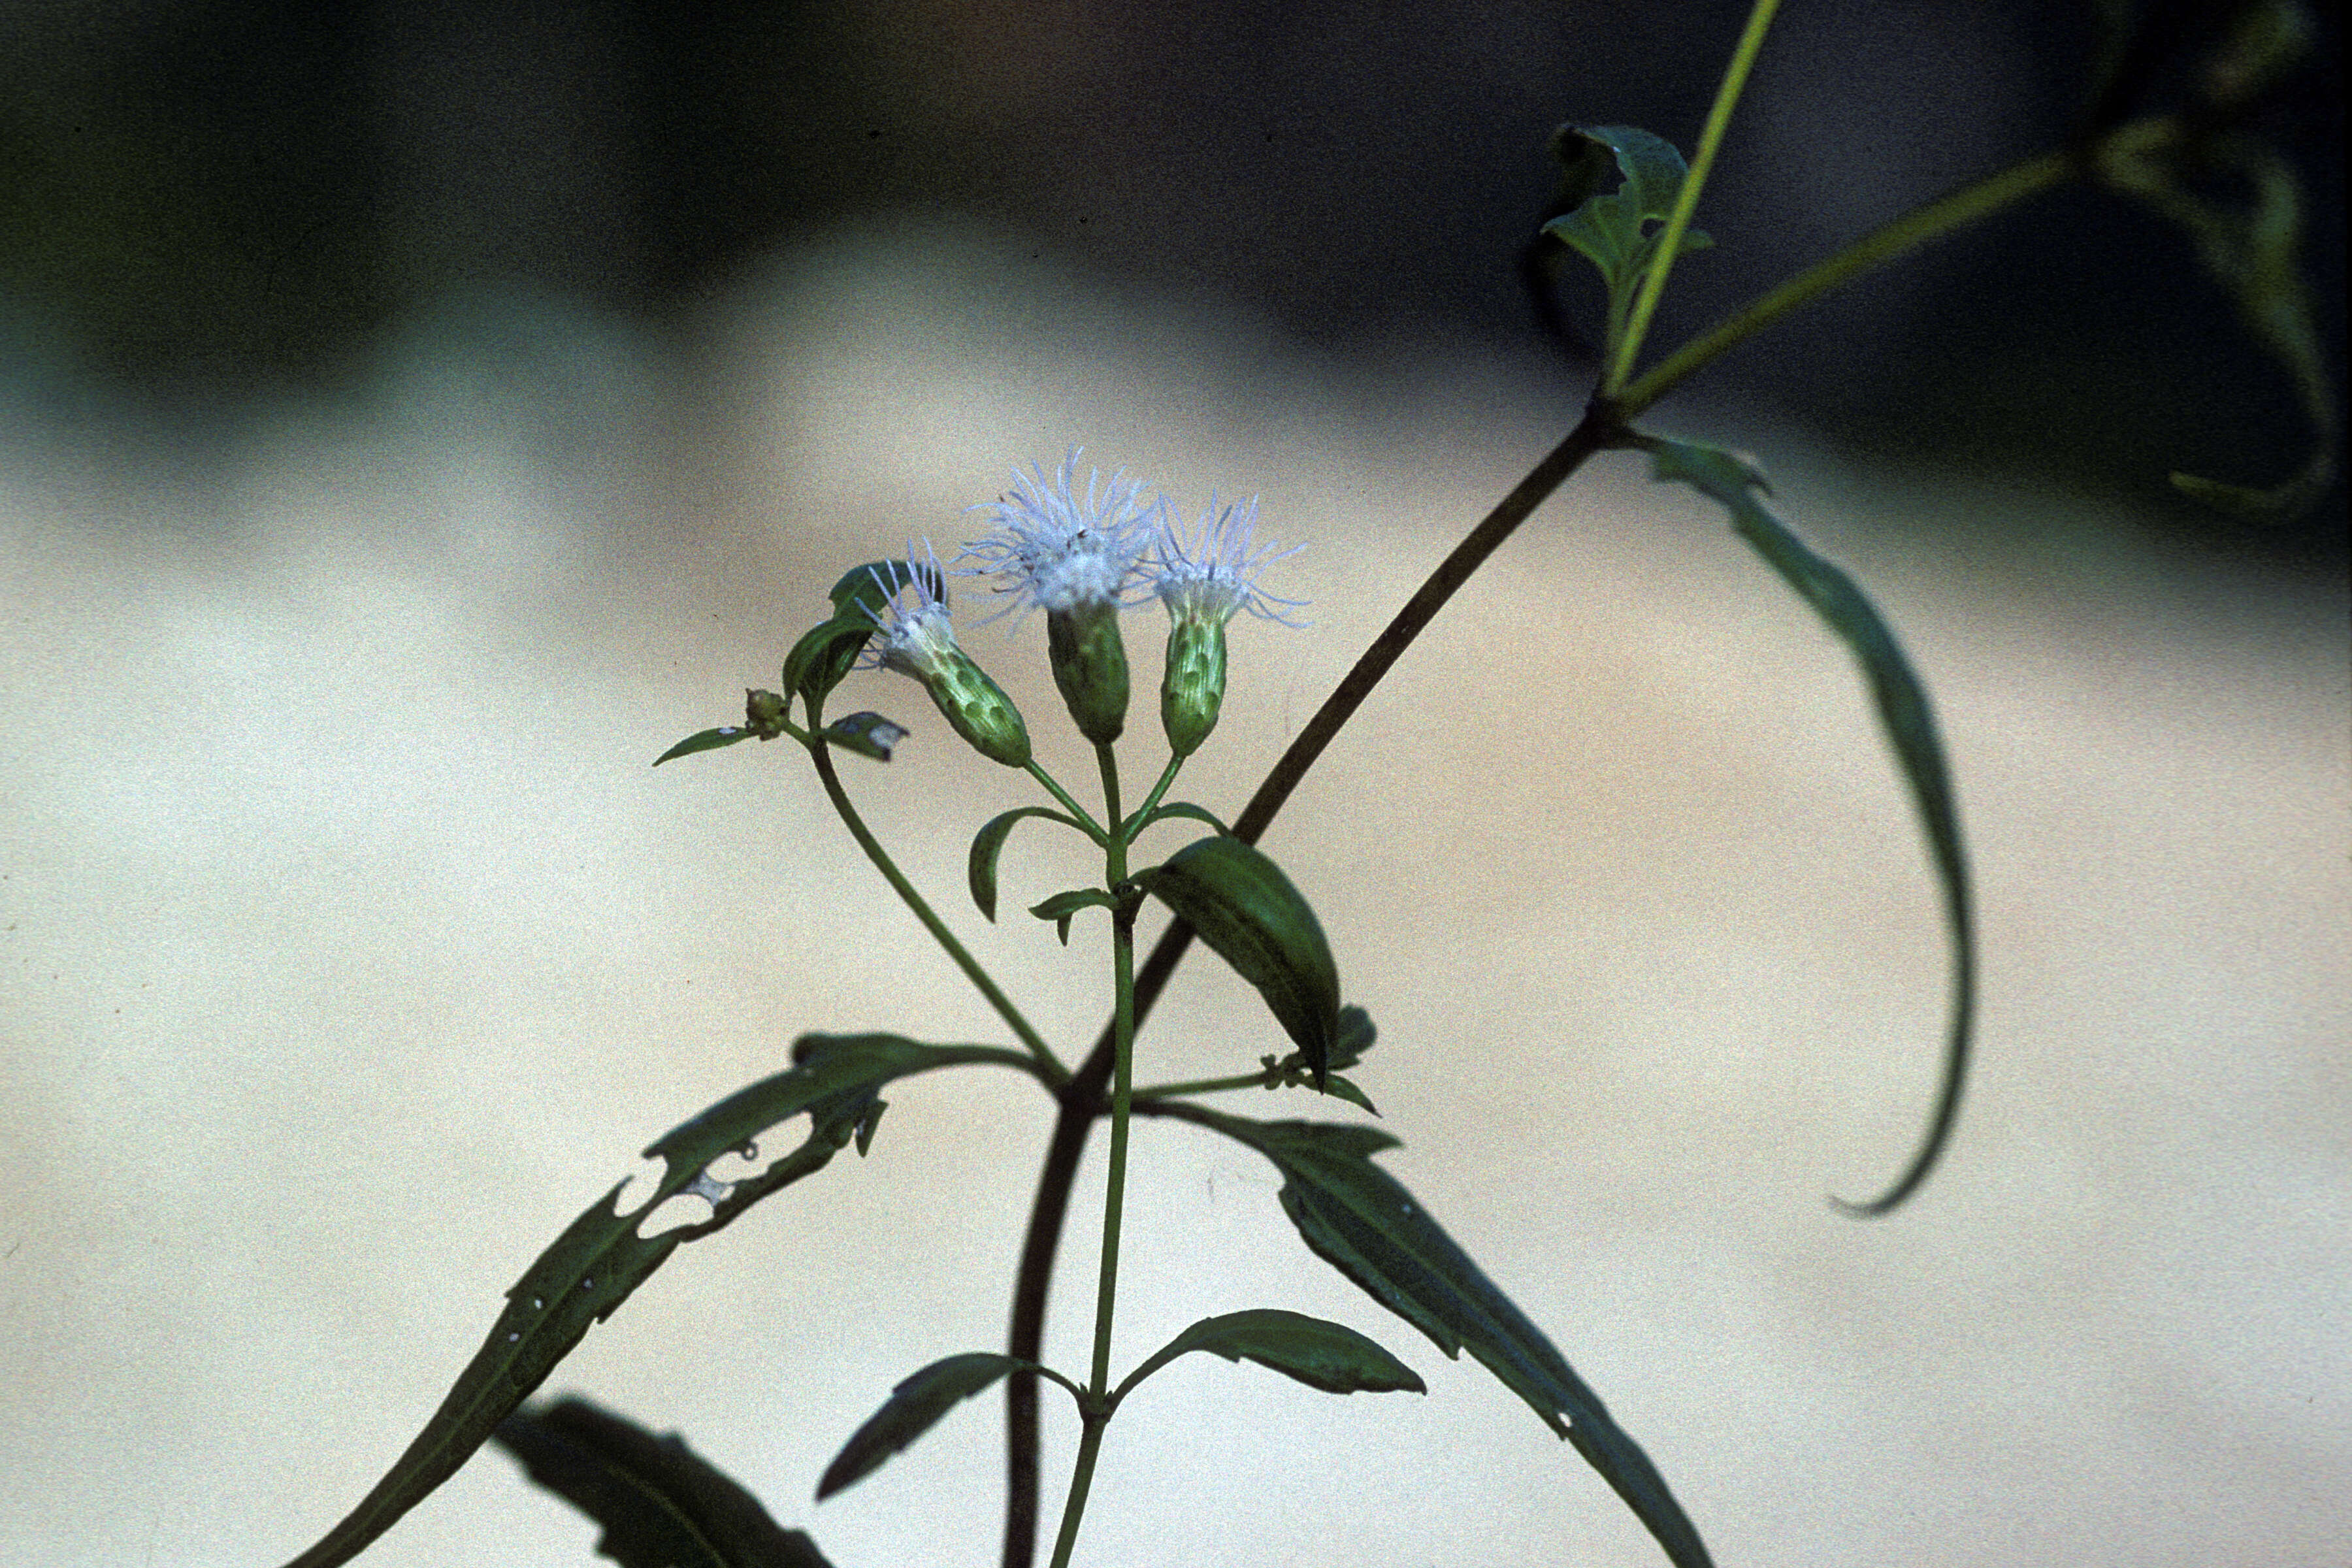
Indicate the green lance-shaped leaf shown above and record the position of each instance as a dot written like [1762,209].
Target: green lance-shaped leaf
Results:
[988,846]
[662,1505]
[1250,915]
[914,1407]
[601,1258]
[1330,1356]
[1910,724]
[1361,1220]
[706,741]
[824,654]
[1062,908]
[1183,808]
[1614,231]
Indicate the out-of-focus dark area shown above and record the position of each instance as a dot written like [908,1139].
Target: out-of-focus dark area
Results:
[204,200]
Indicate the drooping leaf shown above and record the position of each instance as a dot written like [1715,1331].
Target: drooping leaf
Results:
[661,1504]
[1241,904]
[1361,1220]
[1063,907]
[1320,1355]
[601,1258]
[988,846]
[1909,722]
[914,1407]
[1615,231]
[705,741]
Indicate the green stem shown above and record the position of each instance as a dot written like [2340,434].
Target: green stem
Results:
[1094,830]
[1049,1066]
[1201,1085]
[1710,141]
[1115,1184]
[1131,827]
[1916,228]
[1082,1476]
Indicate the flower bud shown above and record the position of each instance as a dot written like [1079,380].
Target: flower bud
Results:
[1090,661]
[977,707]
[1193,687]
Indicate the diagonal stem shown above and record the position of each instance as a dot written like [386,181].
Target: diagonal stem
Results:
[1082,1098]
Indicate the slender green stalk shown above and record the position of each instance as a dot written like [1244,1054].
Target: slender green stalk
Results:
[1970,203]
[1150,802]
[1082,1476]
[1094,830]
[1049,1066]
[1122,938]
[1710,140]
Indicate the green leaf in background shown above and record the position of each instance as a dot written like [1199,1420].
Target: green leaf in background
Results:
[1361,1220]
[1062,907]
[1614,231]
[662,1505]
[1324,1355]
[914,1407]
[601,1258]
[1251,915]
[988,846]
[825,653]
[1910,723]
[2257,256]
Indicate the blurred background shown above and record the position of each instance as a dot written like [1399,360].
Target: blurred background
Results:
[416,417]
[201,202]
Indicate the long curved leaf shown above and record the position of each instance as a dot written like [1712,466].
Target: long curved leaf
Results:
[1903,708]
[988,846]
[1322,1354]
[1361,1220]
[914,1407]
[601,1258]
[661,1504]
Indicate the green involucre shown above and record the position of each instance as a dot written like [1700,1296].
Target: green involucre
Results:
[1193,689]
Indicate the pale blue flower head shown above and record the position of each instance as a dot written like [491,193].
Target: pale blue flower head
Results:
[912,632]
[1054,551]
[1213,575]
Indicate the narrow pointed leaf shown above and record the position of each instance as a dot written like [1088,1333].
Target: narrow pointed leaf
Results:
[1185,809]
[601,1258]
[1330,1356]
[825,653]
[1361,1220]
[914,1407]
[661,1504]
[1062,907]
[705,741]
[1241,904]
[988,845]
[1910,724]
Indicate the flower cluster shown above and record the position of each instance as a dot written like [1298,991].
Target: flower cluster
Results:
[1082,562]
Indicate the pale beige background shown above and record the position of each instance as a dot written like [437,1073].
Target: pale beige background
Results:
[352,948]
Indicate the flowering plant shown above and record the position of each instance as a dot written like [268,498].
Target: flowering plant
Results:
[1084,560]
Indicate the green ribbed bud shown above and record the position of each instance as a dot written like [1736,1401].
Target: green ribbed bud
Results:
[977,707]
[1194,688]
[1090,660]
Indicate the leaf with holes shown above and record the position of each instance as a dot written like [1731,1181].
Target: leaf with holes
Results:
[601,1258]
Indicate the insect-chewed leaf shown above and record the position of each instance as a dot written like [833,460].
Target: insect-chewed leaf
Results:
[662,1505]
[1361,1220]
[601,1258]
[1330,1356]
[1613,231]
[1253,918]
[1910,723]
[914,1407]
